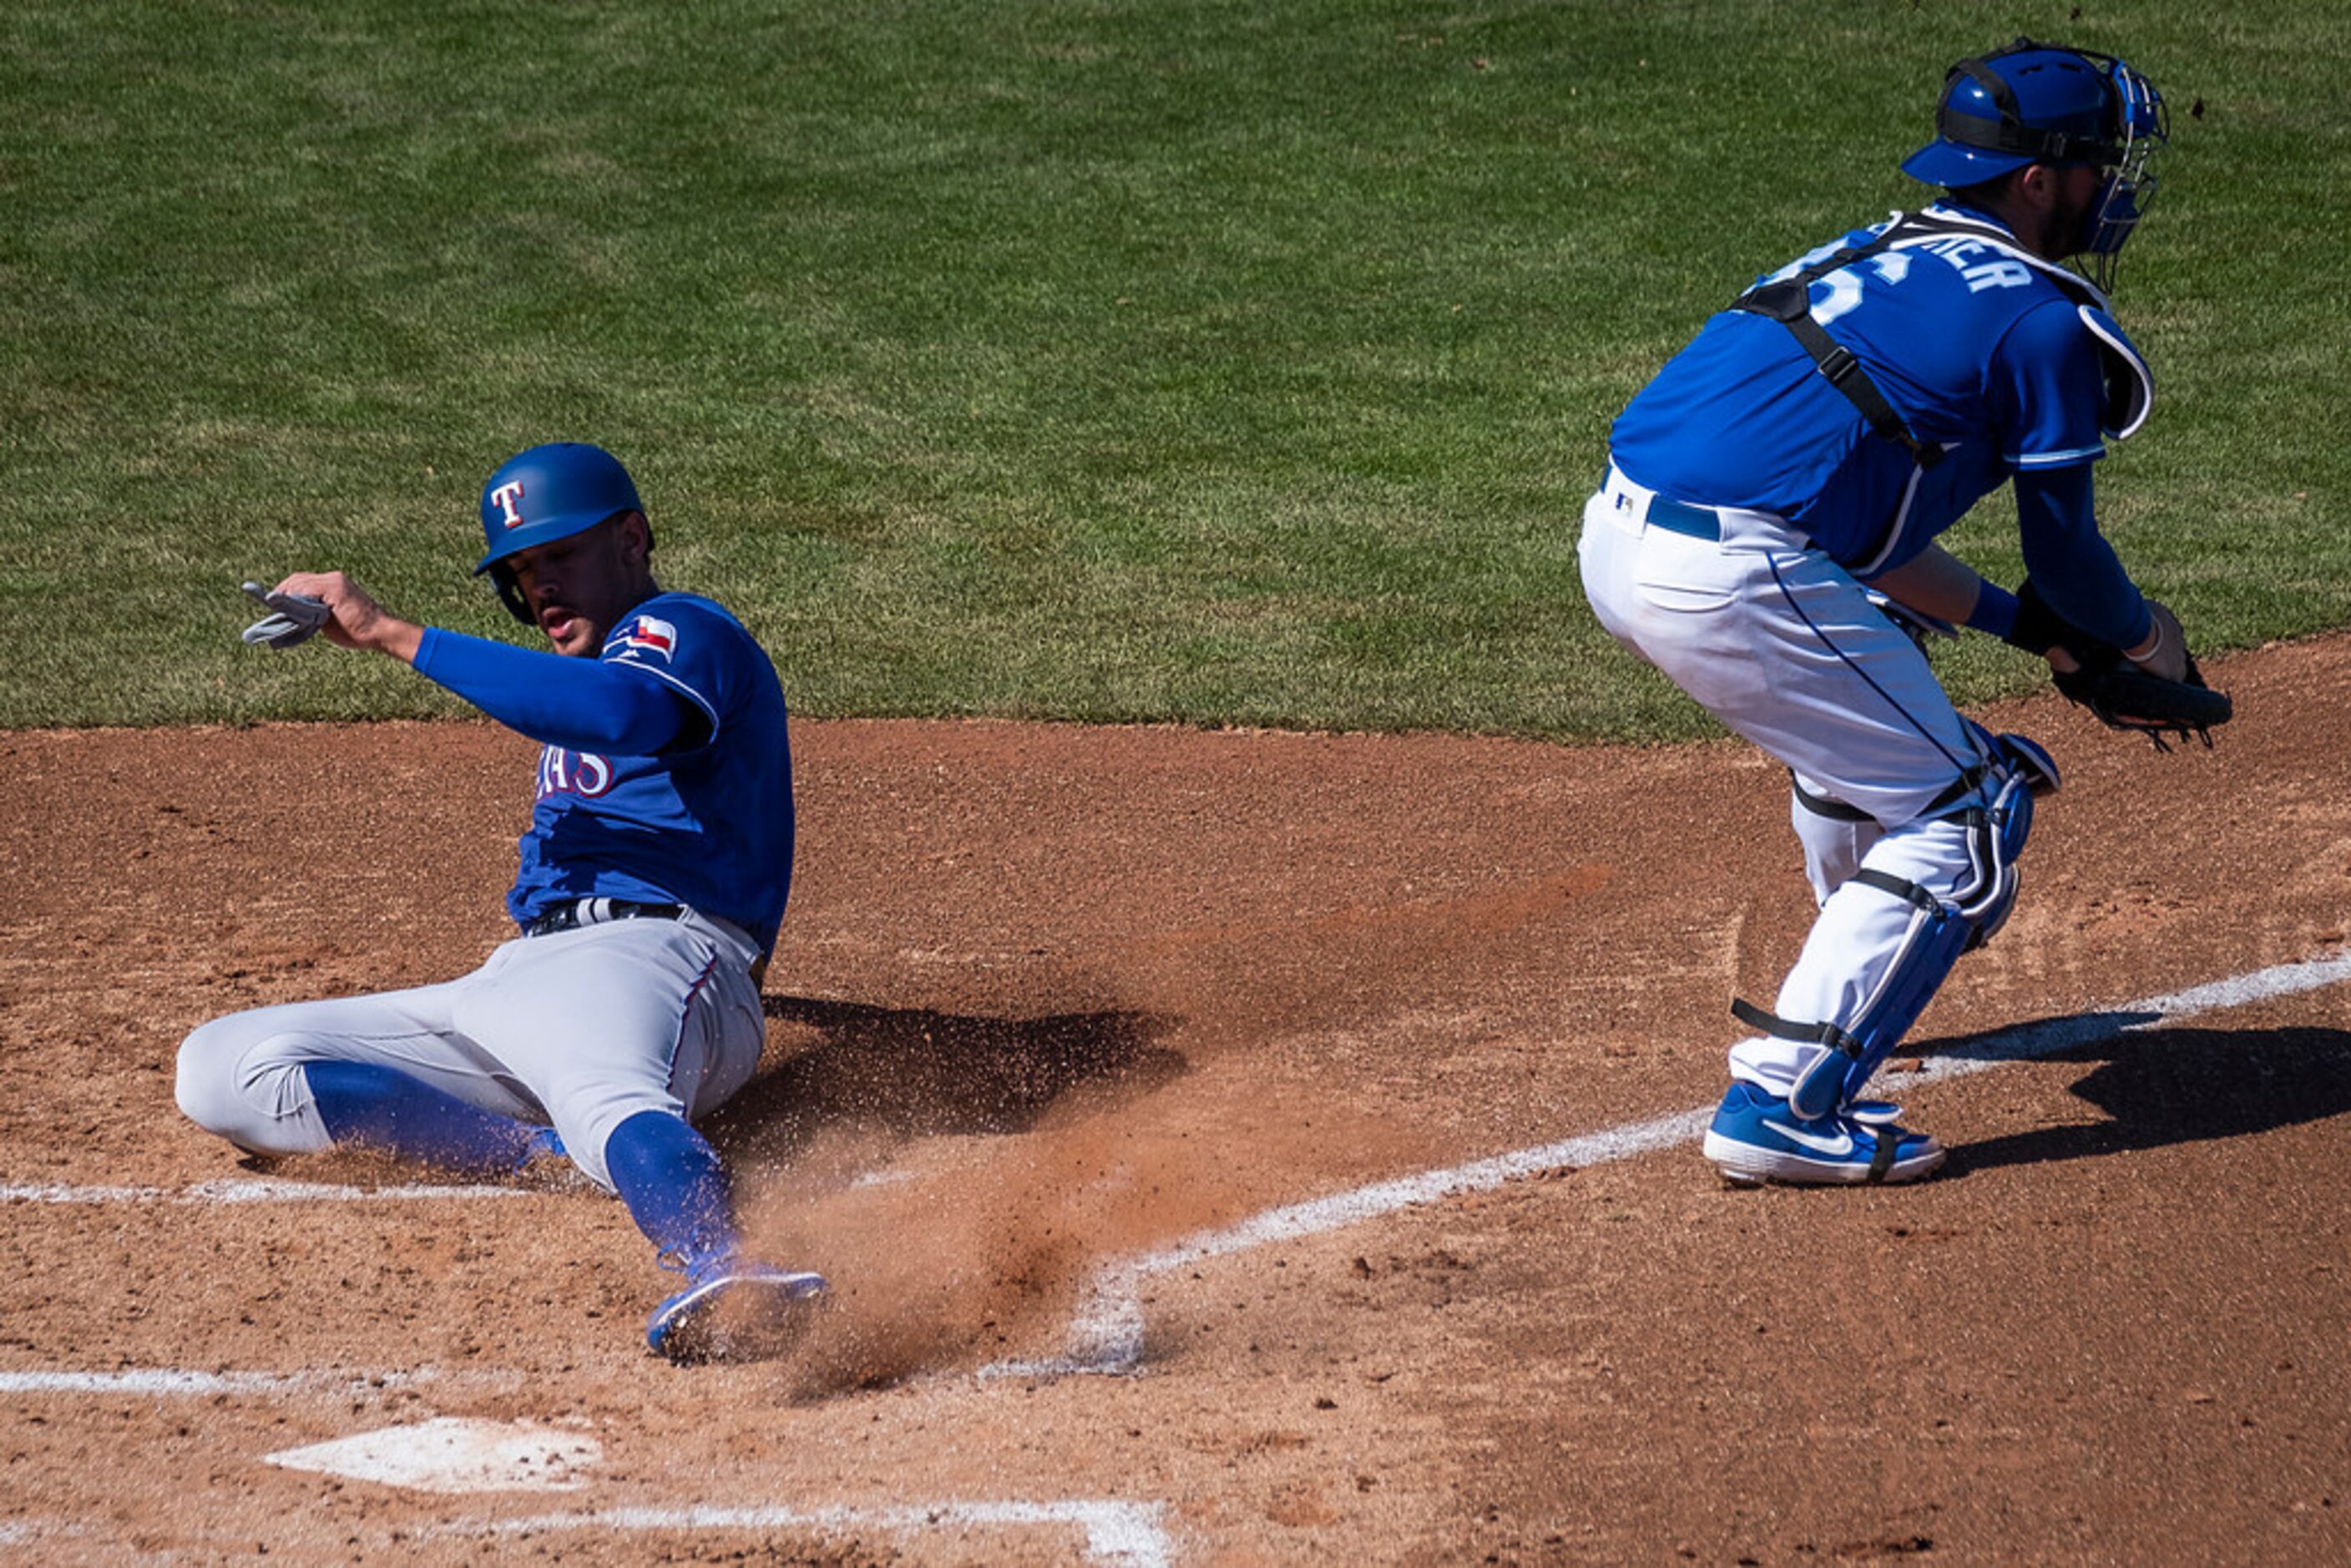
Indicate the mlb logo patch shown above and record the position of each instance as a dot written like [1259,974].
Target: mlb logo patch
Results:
[652,635]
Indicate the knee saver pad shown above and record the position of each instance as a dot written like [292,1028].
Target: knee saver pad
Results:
[2021,755]
[1938,933]
[1996,835]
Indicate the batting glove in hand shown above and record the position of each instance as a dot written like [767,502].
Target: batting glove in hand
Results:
[294,618]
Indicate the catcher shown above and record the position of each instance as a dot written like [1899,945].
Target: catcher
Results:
[1765,537]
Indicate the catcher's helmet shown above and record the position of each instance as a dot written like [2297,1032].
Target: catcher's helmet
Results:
[2044,103]
[549,493]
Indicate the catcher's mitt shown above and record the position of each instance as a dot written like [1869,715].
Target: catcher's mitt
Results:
[2120,694]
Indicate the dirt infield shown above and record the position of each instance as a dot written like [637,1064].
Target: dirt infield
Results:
[1052,1000]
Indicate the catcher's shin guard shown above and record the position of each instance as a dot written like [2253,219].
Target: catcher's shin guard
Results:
[1992,834]
[1936,934]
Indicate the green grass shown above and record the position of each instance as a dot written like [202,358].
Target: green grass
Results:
[1134,360]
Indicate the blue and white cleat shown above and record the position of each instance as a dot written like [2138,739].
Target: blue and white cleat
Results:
[735,1309]
[1757,1138]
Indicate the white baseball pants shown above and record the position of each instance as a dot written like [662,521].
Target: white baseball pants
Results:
[1781,645]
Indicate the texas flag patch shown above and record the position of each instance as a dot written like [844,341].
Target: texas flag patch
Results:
[655,637]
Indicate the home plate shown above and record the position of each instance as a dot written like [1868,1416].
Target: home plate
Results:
[454,1455]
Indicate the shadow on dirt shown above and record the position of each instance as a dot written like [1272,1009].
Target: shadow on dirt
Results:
[2184,1085]
[915,1072]
[2043,1038]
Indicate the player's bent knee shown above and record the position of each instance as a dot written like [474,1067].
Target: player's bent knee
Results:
[246,1091]
[205,1082]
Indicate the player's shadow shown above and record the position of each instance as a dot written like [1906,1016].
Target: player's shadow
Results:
[2180,1085]
[915,1072]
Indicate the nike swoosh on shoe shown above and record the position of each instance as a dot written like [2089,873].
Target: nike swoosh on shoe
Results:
[1835,1148]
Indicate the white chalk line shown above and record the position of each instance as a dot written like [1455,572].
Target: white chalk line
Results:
[1107,1336]
[261,1189]
[161,1381]
[1128,1534]
[20,1532]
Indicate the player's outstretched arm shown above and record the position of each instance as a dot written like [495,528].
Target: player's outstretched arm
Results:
[584,705]
[357,621]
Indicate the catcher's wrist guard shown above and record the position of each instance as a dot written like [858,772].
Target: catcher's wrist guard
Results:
[2036,628]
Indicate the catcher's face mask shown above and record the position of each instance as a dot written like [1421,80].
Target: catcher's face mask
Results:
[2142,131]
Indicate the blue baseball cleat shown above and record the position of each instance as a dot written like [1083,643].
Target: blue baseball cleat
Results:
[735,1309]
[1757,1138]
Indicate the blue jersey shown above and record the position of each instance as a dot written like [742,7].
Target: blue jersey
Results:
[708,822]
[1981,348]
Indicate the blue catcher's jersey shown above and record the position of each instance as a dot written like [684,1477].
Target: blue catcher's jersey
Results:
[1979,345]
[710,824]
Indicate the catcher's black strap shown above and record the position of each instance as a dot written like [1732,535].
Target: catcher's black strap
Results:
[1789,302]
[1778,1028]
[1890,1143]
[1836,811]
[1829,1034]
[1827,806]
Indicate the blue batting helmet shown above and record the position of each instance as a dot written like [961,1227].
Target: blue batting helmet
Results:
[551,493]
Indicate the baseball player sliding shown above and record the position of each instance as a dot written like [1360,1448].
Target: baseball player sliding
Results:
[653,876]
[1806,450]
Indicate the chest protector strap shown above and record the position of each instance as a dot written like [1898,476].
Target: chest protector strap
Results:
[1789,302]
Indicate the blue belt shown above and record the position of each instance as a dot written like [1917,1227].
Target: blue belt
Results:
[1681,517]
